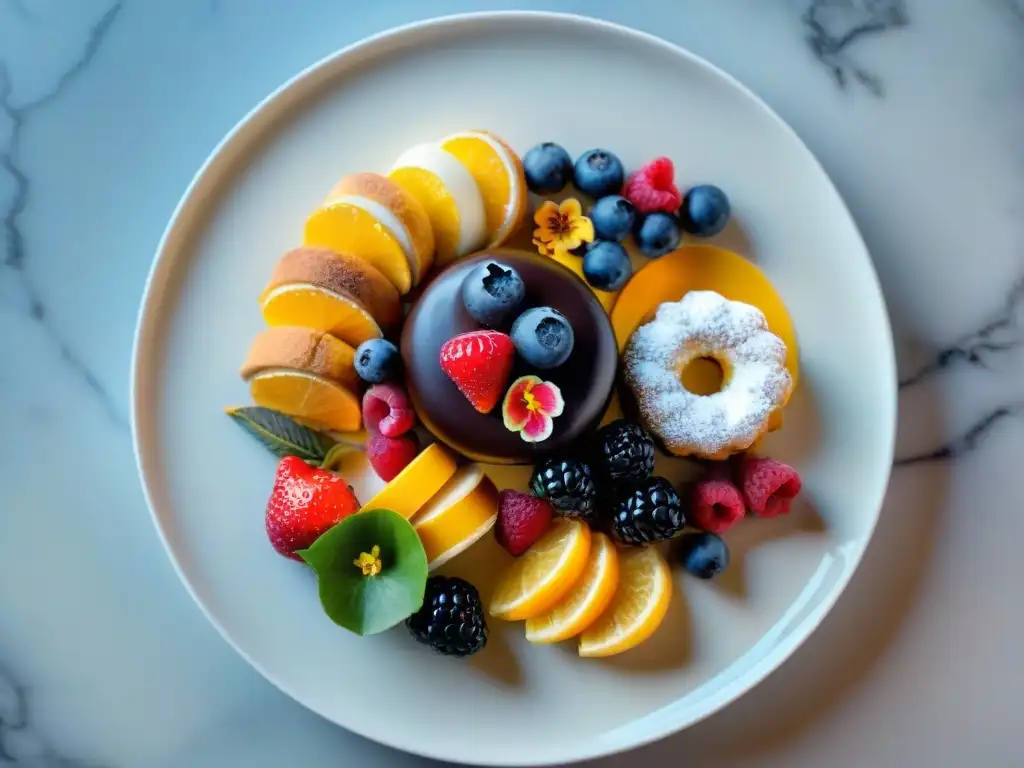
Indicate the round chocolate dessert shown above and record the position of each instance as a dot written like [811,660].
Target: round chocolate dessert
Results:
[585,379]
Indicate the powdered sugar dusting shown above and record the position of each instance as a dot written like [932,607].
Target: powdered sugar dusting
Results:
[706,324]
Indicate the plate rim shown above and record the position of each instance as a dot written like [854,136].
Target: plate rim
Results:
[210,172]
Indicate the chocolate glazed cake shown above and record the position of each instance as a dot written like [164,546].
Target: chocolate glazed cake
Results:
[586,378]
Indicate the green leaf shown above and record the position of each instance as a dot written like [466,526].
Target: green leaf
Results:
[282,435]
[363,604]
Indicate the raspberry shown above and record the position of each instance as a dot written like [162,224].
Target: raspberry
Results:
[652,188]
[522,519]
[390,455]
[768,486]
[387,410]
[716,504]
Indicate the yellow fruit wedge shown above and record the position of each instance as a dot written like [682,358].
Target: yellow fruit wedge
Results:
[586,602]
[358,225]
[450,196]
[308,397]
[638,607]
[457,516]
[403,216]
[413,486]
[317,307]
[546,573]
[498,173]
[301,349]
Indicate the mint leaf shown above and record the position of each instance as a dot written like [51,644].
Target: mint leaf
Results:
[282,435]
[364,604]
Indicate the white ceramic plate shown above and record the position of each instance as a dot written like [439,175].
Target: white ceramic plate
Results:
[530,77]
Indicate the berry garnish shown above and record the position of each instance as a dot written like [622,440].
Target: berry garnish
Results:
[543,337]
[561,227]
[614,218]
[451,620]
[548,168]
[378,360]
[388,410]
[607,266]
[305,502]
[768,486]
[530,407]
[716,504]
[705,210]
[566,483]
[598,172]
[626,453]
[653,188]
[703,555]
[491,292]
[390,455]
[649,513]
[522,519]
[659,233]
[479,363]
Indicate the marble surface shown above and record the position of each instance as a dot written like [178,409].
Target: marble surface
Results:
[915,107]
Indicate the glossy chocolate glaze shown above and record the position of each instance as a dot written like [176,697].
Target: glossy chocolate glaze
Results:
[586,379]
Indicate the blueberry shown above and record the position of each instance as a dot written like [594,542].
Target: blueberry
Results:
[548,168]
[704,555]
[614,217]
[607,266]
[543,337]
[491,292]
[658,234]
[599,173]
[705,211]
[377,360]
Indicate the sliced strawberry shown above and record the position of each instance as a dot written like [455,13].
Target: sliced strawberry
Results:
[480,364]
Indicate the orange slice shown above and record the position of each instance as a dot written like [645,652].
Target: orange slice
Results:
[457,516]
[590,597]
[450,196]
[546,573]
[638,608]
[407,219]
[328,291]
[301,349]
[307,396]
[415,484]
[498,173]
[360,226]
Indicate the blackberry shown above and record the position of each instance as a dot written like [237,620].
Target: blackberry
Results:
[451,620]
[626,452]
[650,512]
[566,483]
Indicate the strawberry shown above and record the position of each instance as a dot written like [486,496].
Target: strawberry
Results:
[480,363]
[522,519]
[304,504]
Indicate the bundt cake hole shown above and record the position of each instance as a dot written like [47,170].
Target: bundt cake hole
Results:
[703,375]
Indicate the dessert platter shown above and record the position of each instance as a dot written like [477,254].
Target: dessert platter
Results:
[530,413]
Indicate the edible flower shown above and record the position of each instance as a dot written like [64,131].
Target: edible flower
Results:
[369,562]
[561,228]
[530,407]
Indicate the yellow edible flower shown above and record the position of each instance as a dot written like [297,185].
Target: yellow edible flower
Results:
[369,563]
[561,228]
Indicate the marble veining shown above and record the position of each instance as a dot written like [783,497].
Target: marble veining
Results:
[16,253]
[834,27]
[21,744]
